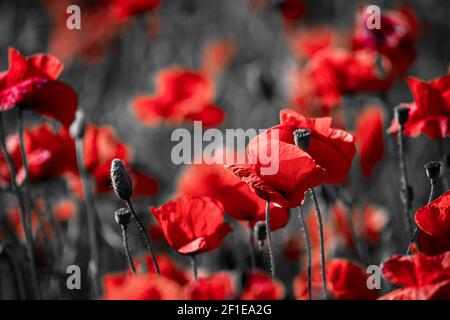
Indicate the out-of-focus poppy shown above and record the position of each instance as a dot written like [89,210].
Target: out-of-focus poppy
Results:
[369,138]
[305,43]
[31,83]
[192,225]
[422,277]
[216,55]
[218,286]
[213,180]
[130,8]
[127,286]
[64,210]
[181,95]
[434,220]
[168,269]
[260,286]
[395,38]
[292,11]
[430,112]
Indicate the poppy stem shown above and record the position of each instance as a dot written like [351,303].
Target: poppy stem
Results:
[405,188]
[251,243]
[91,213]
[127,248]
[23,212]
[141,228]
[308,250]
[321,242]
[194,267]
[269,241]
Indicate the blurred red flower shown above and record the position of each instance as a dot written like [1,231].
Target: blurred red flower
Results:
[332,149]
[127,286]
[129,8]
[192,225]
[395,39]
[374,221]
[218,286]
[30,83]
[345,281]
[181,95]
[430,112]
[214,181]
[369,138]
[260,286]
[50,154]
[422,277]
[305,43]
[216,55]
[64,210]
[168,268]
[434,220]
[292,11]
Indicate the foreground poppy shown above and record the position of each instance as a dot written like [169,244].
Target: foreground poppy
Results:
[213,180]
[345,281]
[430,112]
[395,39]
[30,83]
[434,220]
[181,95]
[260,286]
[369,138]
[422,277]
[192,225]
[218,286]
[127,286]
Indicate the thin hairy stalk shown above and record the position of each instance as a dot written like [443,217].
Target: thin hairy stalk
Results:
[269,241]
[404,184]
[127,248]
[91,213]
[321,242]
[22,211]
[194,267]
[308,250]
[141,228]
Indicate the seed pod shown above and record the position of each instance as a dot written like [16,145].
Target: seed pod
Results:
[401,114]
[433,169]
[302,138]
[78,127]
[121,181]
[123,216]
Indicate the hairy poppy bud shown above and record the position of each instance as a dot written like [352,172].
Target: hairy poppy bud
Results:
[121,181]
[260,231]
[433,169]
[123,216]
[78,126]
[302,138]
[401,114]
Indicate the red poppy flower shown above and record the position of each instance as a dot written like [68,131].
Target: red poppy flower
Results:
[129,8]
[216,55]
[345,281]
[181,95]
[289,175]
[127,286]
[434,220]
[342,225]
[305,43]
[30,83]
[430,112]
[374,221]
[260,286]
[218,286]
[395,39]
[214,181]
[369,138]
[292,11]
[192,225]
[422,277]
[332,149]
[50,154]
[64,210]
[168,269]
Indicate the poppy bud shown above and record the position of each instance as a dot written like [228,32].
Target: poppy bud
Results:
[121,181]
[123,216]
[260,231]
[433,169]
[401,114]
[302,138]
[78,126]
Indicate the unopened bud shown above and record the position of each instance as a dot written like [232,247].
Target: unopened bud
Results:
[121,181]
[401,114]
[302,138]
[123,216]
[78,126]
[433,169]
